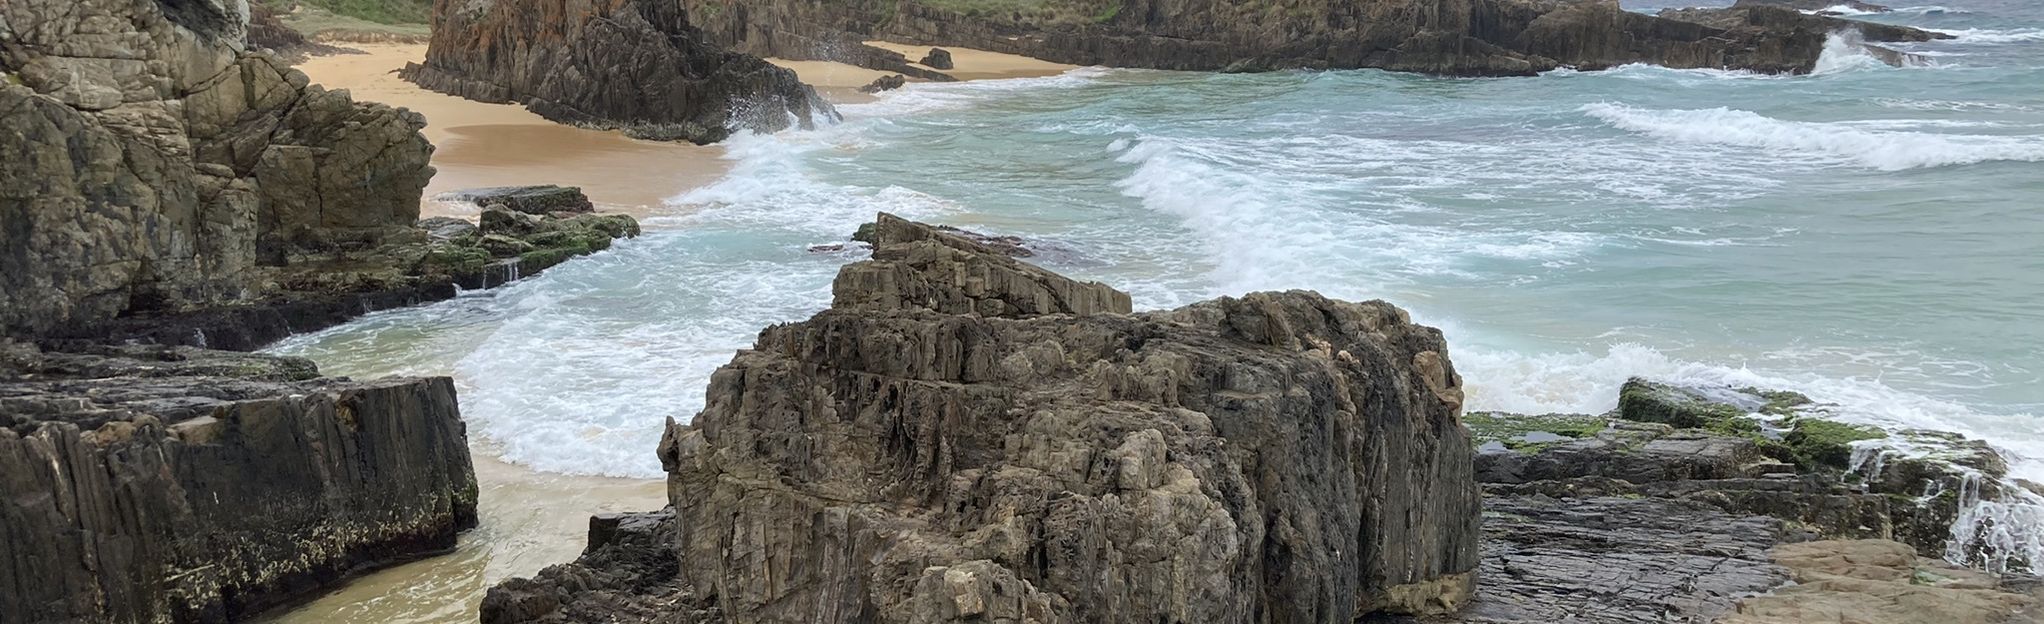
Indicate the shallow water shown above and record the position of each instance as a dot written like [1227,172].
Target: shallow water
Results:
[1867,235]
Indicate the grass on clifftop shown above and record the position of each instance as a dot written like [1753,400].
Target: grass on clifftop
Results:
[1037,11]
[378,11]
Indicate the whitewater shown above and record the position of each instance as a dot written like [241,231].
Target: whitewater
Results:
[1867,235]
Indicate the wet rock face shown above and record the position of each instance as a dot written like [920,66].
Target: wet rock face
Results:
[156,167]
[907,457]
[632,65]
[145,484]
[1457,37]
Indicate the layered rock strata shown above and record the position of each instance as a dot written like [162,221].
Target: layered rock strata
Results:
[631,65]
[1458,37]
[155,167]
[965,437]
[153,484]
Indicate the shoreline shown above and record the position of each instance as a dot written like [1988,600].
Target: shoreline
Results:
[479,144]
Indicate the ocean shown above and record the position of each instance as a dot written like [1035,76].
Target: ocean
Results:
[1869,235]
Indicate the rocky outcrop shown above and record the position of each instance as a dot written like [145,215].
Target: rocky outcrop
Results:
[964,437]
[152,484]
[885,83]
[1816,6]
[938,58]
[1773,18]
[1457,37]
[155,167]
[631,65]
[537,200]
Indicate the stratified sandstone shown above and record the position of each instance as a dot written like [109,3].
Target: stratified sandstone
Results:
[964,437]
[631,65]
[151,484]
[152,166]
[1454,37]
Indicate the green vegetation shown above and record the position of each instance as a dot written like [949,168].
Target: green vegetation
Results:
[1530,434]
[1034,11]
[1825,443]
[378,11]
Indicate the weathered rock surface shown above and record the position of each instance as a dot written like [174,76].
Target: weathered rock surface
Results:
[1817,5]
[539,200]
[885,83]
[154,167]
[938,58]
[1882,582]
[1770,17]
[964,437]
[152,484]
[631,65]
[1456,37]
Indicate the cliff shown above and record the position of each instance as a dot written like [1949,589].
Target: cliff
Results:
[156,167]
[631,65]
[149,484]
[1454,37]
[966,437]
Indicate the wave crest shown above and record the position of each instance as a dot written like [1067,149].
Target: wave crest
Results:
[1883,150]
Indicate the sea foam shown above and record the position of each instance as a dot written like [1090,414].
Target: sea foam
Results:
[1884,150]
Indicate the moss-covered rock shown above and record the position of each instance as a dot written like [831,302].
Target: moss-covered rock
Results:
[1650,401]
[1826,444]
[1528,433]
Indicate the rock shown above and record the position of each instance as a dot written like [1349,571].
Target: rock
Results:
[1455,37]
[536,200]
[1817,5]
[631,65]
[907,458]
[142,484]
[884,83]
[919,266]
[164,171]
[938,58]
[1010,246]
[447,229]
[1881,582]
[1765,16]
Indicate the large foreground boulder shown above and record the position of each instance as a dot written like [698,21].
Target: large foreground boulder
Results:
[1453,37]
[153,166]
[151,484]
[964,437]
[631,65]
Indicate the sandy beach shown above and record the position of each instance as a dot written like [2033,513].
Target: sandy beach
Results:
[504,144]
[840,82]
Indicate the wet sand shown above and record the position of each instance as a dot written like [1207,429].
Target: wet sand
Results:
[528,520]
[504,144]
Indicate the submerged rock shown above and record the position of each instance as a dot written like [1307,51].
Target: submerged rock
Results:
[149,484]
[631,65]
[964,437]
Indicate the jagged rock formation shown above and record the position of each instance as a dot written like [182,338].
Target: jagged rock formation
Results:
[632,65]
[1817,5]
[1457,37]
[155,167]
[1774,18]
[964,437]
[151,484]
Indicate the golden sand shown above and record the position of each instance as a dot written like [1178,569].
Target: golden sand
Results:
[504,144]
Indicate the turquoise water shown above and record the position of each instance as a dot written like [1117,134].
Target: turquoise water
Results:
[1871,236]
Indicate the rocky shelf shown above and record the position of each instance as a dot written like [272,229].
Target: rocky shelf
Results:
[173,484]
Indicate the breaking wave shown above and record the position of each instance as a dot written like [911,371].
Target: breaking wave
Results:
[1883,150]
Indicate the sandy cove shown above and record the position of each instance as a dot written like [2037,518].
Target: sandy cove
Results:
[504,144]
[529,519]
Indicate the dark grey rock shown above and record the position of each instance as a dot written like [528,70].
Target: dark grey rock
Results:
[938,58]
[538,200]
